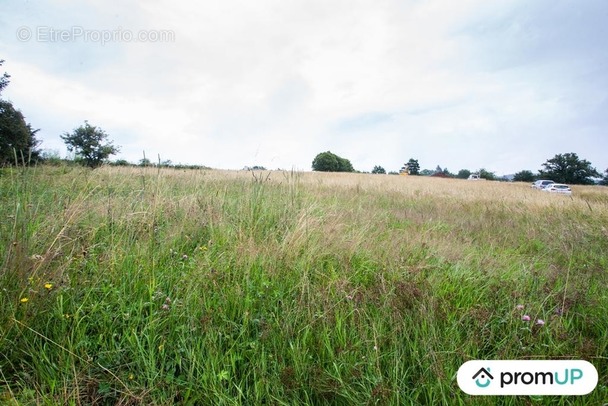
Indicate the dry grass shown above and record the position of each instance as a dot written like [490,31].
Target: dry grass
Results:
[288,288]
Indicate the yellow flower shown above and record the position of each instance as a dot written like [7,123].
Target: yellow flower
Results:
[24,300]
[48,285]
[131,377]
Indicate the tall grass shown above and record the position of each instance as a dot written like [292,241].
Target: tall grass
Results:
[147,286]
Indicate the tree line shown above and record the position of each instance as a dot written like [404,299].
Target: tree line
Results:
[562,168]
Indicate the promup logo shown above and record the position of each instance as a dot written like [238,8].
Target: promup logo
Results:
[562,377]
[485,374]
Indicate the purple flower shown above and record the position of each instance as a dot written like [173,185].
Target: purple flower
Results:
[525,317]
[540,322]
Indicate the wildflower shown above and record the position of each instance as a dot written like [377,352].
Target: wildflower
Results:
[184,257]
[525,317]
[519,307]
[168,300]
[540,322]
[131,376]
[48,286]
[375,348]
[24,300]
[165,307]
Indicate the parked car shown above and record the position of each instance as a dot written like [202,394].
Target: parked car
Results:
[474,176]
[541,184]
[558,188]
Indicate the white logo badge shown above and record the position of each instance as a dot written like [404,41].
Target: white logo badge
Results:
[502,377]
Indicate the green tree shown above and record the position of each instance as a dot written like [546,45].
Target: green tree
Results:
[413,167]
[426,172]
[524,176]
[378,170]
[91,144]
[463,174]
[329,162]
[16,136]
[120,162]
[569,168]
[484,174]
[604,181]
[4,79]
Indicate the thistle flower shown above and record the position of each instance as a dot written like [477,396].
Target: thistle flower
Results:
[525,317]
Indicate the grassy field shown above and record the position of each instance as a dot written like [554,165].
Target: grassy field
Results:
[142,286]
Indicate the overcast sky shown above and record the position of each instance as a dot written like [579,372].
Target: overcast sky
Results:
[501,84]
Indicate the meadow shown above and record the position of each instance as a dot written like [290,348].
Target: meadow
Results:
[154,286]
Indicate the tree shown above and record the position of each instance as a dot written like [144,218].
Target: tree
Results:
[484,174]
[604,181]
[426,172]
[378,170]
[16,136]
[91,144]
[4,79]
[120,162]
[413,167]
[463,174]
[523,176]
[329,162]
[569,168]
